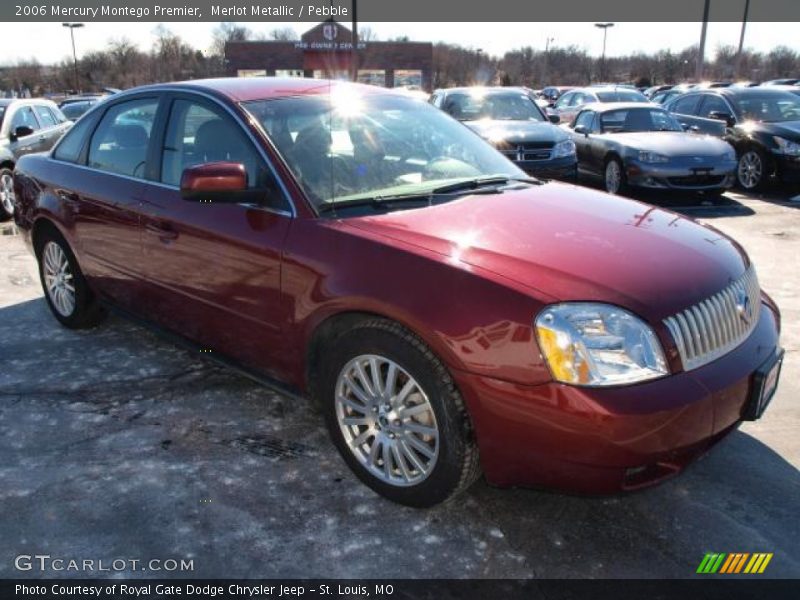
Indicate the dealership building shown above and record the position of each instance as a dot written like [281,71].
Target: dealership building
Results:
[326,52]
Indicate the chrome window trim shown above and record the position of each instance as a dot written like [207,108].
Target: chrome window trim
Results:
[121,96]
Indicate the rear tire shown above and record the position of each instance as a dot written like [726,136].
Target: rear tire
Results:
[65,289]
[395,415]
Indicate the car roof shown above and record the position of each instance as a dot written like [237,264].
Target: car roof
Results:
[742,92]
[606,88]
[6,101]
[486,89]
[602,107]
[243,89]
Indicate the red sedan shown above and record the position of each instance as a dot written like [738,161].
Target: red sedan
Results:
[449,315]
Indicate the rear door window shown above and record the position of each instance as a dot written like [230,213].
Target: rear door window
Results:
[686,105]
[45,116]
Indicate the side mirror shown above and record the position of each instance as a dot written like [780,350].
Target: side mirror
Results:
[214,182]
[581,129]
[21,131]
[723,116]
[554,119]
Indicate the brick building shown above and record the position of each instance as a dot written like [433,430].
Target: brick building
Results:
[325,52]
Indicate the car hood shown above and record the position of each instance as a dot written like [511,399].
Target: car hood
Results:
[789,129]
[672,143]
[517,131]
[570,243]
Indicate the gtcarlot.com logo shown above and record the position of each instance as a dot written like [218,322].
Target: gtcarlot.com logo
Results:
[734,563]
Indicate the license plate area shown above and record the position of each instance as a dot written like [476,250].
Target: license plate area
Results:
[765,382]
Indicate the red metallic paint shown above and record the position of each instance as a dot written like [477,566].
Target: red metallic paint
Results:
[467,276]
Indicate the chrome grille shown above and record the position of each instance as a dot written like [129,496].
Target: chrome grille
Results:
[718,324]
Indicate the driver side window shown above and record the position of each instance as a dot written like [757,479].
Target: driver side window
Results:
[585,120]
[565,100]
[24,117]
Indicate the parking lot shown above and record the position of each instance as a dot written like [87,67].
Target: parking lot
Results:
[116,444]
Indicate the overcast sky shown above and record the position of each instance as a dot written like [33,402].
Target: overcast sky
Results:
[49,42]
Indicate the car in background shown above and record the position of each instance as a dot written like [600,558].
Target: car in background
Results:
[642,145]
[761,123]
[448,315]
[665,96]
[26,126]
[571,103]
[785,81]
[510,120]
[554,92]
[75,107]
[652,90]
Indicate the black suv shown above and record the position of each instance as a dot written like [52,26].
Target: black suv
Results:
[762,124]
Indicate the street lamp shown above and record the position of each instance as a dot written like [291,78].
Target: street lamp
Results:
[604,27]
[72,27]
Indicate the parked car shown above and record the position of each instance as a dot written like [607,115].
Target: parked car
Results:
[665,96]
[785,81]
[641,145]
[571,103]
[512,122]
[73,108]
[553,92]
[762,123]
[653,90]
[449,315]
[27,125]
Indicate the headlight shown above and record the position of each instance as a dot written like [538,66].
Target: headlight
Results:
[786,146]
[564,148]
[595,344]
[652,157]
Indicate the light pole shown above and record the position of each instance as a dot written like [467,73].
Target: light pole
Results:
[738,62]
[72,27]
[698,72]
[546,68]
[604,27]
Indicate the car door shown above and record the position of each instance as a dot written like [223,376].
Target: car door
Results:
[51,130]
[213,270]
[686,108]
[19,145]
[583,141]
[107,196]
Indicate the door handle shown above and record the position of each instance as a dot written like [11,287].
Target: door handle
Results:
[163,232]
[42,137]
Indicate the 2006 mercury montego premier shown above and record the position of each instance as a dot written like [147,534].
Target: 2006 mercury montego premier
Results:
[449,315]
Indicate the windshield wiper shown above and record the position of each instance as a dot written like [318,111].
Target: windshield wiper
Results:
[482,185]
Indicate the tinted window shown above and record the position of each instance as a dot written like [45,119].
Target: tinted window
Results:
[24,117]
[686,105]
[198,134]
[770,108]
[502,106]
[45,116]
[713,104]
[119,144]
[73,110]
[638,119]
[69,149]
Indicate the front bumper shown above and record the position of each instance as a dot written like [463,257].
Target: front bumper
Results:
[563,169]
[787,168]
[682,176]
[604,440]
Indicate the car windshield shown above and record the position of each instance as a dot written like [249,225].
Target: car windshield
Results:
[621,96]
[501,106]
[769,108]
[349,146]
[638,119]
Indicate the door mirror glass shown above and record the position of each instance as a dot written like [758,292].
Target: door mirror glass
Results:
[581,129]
[555,119]
[214,182]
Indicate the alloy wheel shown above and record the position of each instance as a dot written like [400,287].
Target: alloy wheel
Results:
[751,169]
[387,420]
[58,279]
[613,177]
[7,192]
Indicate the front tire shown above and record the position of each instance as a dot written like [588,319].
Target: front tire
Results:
[395,415]
[614,179]
[65,289]
[6,194]
[751,171]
